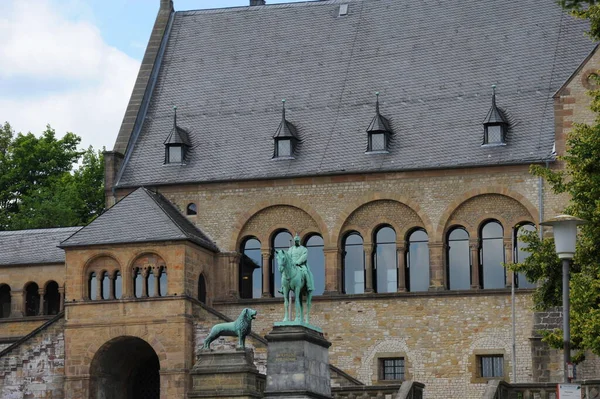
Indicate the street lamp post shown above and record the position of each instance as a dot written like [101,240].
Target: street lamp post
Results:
[565,237]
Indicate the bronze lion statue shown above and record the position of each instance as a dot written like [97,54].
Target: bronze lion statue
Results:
[239,328]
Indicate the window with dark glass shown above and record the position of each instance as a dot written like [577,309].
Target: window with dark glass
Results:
[32,300]
[316,262]
[459,260]
[163,282]
[385,260]
[490,366]
[118,285]
[51,299]
[354,264]
[251,269]
[5,301]
[138,283]
[492,256]
[93,286]
[105,287]
[391,369]
[417,261]
[191,209]
[521,254]
[202,289]
[281,241]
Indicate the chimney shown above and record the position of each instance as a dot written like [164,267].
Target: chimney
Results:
[166,4]
[257,3]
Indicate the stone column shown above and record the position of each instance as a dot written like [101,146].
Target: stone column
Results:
[368,248]
[297,363]
[234,273]
[61,298]
[145,283]
[401,257]
[508,258]
[98,286]
[17,303]
[436,266]
[156,281]
[226,374]
[266,270]
[41,293]
[474,247]
[333,268]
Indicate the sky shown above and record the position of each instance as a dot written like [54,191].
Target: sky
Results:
[72,63]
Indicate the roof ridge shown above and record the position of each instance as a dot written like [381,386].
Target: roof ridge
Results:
[306,3]
[36,231]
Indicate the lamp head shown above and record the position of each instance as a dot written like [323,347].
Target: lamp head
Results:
[565,234]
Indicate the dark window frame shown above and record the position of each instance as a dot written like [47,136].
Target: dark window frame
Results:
[391,363]
[497,374]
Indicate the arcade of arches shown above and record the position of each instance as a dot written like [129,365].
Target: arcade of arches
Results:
[384,247]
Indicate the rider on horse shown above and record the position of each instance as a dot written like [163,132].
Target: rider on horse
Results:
[299,254]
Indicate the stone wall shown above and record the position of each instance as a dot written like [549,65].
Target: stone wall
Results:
[35,368]
[438,334]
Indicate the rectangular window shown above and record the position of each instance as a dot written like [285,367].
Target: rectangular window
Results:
[391,369]
[494,134]
[490,366]
[284,148]
[175,154]
[378,142]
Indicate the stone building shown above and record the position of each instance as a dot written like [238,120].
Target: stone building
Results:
[402,169]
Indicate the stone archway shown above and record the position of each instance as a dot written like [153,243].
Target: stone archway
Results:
[125,368]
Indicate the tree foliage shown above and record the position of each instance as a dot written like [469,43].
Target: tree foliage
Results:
[580,179]
[39,186]
[585,9]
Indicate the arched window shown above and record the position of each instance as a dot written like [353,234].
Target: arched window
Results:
[51,299]
[118,285]
[353,266]
[385,261]
[138,283]
[93,286]
[202,289]
[150,283]
[492,255]
[459,260]
[417,261]
[5,301]
[521,254]
[163,282]
[192,209]
[281,241]
[316,262]
[105,286]
[32,300]
[251,269]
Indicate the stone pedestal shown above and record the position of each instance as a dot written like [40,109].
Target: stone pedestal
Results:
[297,363]
[226,374]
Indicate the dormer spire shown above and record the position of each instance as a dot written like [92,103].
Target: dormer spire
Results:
[285,137]
[379,130]
[495,124]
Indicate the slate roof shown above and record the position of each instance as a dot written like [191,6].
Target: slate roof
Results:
[142,216]
[33,247]
[433,62]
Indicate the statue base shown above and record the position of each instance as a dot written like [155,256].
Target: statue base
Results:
[226,374]
[297,362]
[297,323]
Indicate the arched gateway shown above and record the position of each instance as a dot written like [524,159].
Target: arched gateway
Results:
[125,368]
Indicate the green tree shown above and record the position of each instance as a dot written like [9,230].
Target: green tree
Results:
[38,185]
[580,179]
[585,9]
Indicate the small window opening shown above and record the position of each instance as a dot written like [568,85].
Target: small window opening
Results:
[162,281]
[490,366]
[202,289]
[138,281]
[150,281]
[118,285]
[5,301]
[51,299]
[391,369]
[192,209]
[105,286]
[93,287]
[32,300]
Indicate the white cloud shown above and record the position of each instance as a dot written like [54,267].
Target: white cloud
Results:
[39,43]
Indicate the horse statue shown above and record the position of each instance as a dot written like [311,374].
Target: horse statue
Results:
[294,278]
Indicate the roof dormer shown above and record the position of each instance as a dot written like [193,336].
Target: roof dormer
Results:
[286,138]
[495,125]
[177,143]
[379,132]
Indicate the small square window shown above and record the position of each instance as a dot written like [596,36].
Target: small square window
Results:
[391,369]
[284,148]
[490,366]
[378,142]
[175,154]
[494,134]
